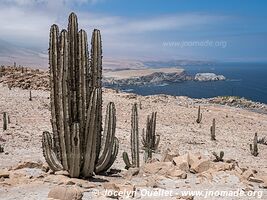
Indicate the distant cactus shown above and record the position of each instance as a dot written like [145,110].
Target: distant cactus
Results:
[5,121]
[30,95]
[254,147]
[150,140]
[1,149]
[218,158]
[199,115]
[77,144]
[134,141]
[212,130]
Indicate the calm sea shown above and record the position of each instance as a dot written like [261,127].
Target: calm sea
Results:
[247,80]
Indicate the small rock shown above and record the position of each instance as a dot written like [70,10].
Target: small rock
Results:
[255,180]
[45,168]
[64,173]
[65,193]
[4,174]
[247,174]
[29,164]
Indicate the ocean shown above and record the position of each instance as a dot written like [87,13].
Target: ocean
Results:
[248,80]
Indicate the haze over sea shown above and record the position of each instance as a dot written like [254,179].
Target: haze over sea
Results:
[247,80]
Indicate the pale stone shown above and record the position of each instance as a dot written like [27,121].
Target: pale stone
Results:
[181,162]
[65,193]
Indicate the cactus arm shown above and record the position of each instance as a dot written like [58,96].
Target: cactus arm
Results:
[109,135]
[65,90]
[96,79]
[126,160]
[212,130]
[49,154]
[115,150]
[73,57]
[89,154]
[53,62]
[59,101]
[82,84]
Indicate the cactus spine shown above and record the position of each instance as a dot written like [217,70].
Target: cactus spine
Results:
[76,105]
[134,141]
[212,130]
[254,148]
[150,140]
[199,115]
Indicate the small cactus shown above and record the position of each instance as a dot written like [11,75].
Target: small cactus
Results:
[134,142]
[5,121]
[254,147]
[30,95]
[212,130]
[150,140]
[218,158]
[199,115]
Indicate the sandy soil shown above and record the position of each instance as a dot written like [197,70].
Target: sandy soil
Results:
[176,124]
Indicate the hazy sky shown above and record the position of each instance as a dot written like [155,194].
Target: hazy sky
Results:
[232,30]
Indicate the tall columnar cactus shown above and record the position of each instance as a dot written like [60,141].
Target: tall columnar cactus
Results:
[77,144]
[149,138]
[254,147]
[212,130]
[134,141]
[199,115]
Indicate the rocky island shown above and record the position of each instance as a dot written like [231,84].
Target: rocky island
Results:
[209,77]
[151,76]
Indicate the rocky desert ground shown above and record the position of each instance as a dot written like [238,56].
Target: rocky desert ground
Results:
[184,162]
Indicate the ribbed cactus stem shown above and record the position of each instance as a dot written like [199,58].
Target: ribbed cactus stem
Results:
[108,139]
[48,152]
[135,137]
[134,141]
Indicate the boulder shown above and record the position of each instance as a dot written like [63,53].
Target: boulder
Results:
[160,168]
[65,193]
[181,162]
[200,166]
[131,172]
[176,173]
[168,156]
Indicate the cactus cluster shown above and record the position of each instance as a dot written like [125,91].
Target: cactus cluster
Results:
[77,144]
[150,140]
[218,158]
[134,141]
